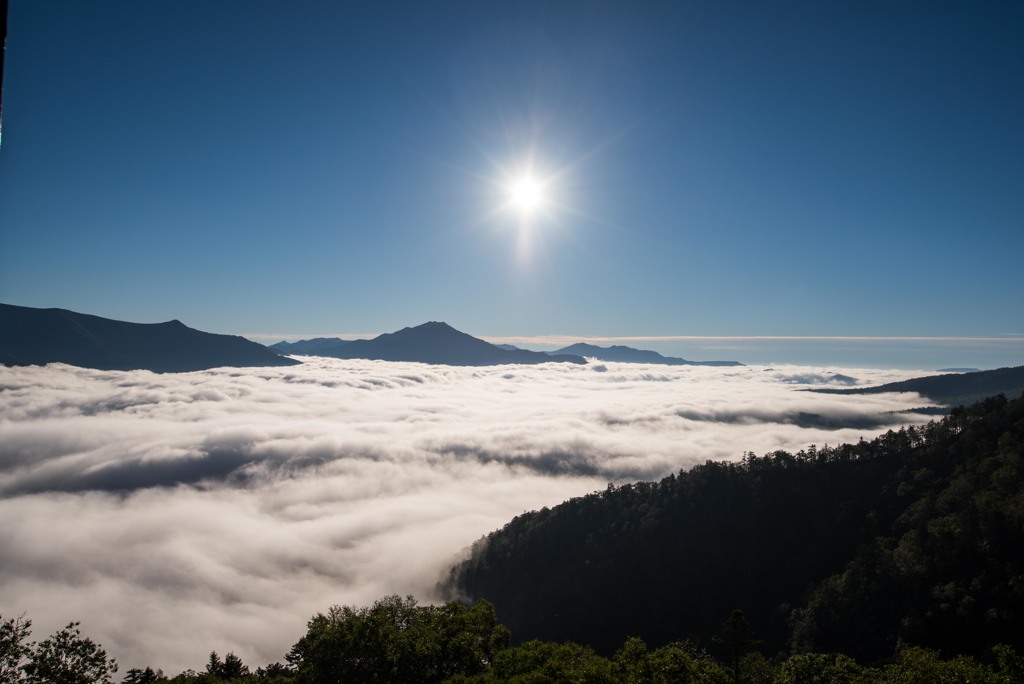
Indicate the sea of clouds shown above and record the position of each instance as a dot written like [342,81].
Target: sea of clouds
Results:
[174,514]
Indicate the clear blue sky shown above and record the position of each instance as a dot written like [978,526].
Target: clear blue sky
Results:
[719,168]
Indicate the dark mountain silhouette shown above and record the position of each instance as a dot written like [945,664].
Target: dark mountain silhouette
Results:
[507,347]
[318,346]
[437,343]
[30,336]
[952,388]
[631,355]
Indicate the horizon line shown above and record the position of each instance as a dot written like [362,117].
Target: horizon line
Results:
[561,339]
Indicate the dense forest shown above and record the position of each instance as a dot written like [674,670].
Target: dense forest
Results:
[915,537]
[400,642]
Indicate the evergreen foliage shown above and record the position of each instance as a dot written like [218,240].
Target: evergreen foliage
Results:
[449,652]
[229,669]
[912,538]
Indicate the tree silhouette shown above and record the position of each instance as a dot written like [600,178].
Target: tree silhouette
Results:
[142,676]
[69,658]
[14,647]
[229,668]
[736,641]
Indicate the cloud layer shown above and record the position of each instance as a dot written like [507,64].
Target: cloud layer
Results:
[174,514]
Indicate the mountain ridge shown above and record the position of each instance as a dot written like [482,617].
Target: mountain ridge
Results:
[950,388]
[434,342]
[624,354]
[31,336]
[312,347]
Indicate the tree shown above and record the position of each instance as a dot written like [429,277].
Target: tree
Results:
[274,671]
[397,641]
[138,675]
[542,662]
[214,665]
[1011,665]
[632,661]
[69,658]
[676,663]
[735,638]
[231,667]
[819,668]
[916,665]
[14,647]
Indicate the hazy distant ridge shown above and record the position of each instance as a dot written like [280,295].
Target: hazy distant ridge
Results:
[952,388]
[30,336]
[434,342]
[318,346]
[624,354]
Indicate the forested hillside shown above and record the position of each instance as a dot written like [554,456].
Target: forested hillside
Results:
[915,537]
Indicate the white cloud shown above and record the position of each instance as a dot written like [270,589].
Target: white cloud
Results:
[178,513]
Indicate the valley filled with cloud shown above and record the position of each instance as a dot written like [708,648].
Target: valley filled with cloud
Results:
[178,513]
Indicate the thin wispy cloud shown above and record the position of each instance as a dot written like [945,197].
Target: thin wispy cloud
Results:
[569,339]
[270,338]
[912,352]
[179,513]
[564,340]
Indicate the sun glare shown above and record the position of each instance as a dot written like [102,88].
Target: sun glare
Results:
[526,194]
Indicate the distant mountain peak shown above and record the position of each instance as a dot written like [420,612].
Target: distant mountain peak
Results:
[623,354]
[30,336]
[434,342]
[432,326]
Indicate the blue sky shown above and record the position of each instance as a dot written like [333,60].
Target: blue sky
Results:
[713,169]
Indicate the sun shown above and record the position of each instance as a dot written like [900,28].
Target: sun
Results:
[526,194]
